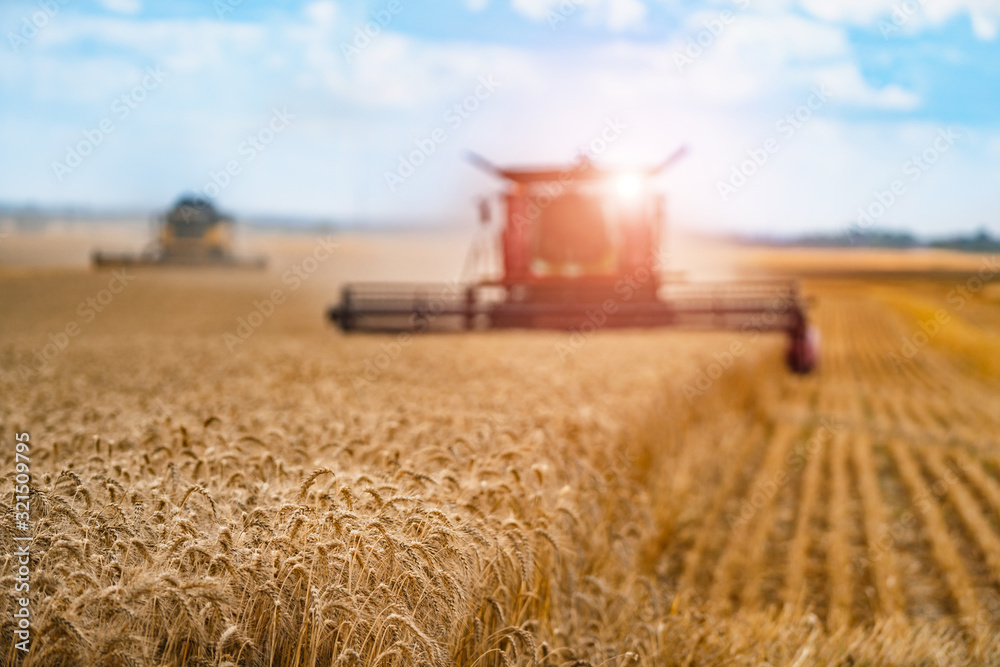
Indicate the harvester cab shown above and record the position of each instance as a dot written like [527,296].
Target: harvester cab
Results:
[579,248]
[194,228]
[578,234]
[192,233]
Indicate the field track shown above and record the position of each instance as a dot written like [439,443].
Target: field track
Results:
[879,503]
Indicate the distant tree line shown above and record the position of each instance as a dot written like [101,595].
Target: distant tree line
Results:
[979,241]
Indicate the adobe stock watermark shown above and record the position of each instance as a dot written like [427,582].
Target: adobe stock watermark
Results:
[597,317]
[897,531]
[957,298]
[375,365]
[548,192]
[248,150]
[33,23]
[610,133]
[293,278]
[365,35]
[87,311]
[702,41]
[765,490]
[901,14]
[454,118]
[225,7]
[786,128]
[722,362]
[121,108]
[913,170]
[564,11]
[22,553]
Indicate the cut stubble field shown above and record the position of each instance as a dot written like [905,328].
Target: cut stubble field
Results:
[484,499]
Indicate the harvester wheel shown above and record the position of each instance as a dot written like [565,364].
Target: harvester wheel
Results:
[803,351]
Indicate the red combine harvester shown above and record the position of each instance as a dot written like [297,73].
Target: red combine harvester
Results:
[579,249]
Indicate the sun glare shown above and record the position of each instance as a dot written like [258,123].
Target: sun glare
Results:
[628,186]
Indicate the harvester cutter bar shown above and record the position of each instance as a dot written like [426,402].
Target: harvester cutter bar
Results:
[107,260]
[757,306]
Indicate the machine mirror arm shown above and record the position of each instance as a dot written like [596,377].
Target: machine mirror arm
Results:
[669,162]
[490,168]
[484,164]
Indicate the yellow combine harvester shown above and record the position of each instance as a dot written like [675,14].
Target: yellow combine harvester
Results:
[192,233]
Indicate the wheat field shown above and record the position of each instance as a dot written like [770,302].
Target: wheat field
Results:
[309,498]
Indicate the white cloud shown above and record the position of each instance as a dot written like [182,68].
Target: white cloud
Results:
[476,5]
[158,37]
[179,47]
[849,87]
[358,117]
[895,97]
[122,6]
[984,26]
[615,15]
[624,14]
[785,38]
[539,10]
[756,55]
[535,10]
[399,71]
[322,12]
[861,12]
[888,15]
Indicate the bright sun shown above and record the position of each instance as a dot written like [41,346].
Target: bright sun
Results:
[628,186]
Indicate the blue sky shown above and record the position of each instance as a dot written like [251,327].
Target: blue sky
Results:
[798,114]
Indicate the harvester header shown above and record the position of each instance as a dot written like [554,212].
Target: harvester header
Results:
[574,241]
